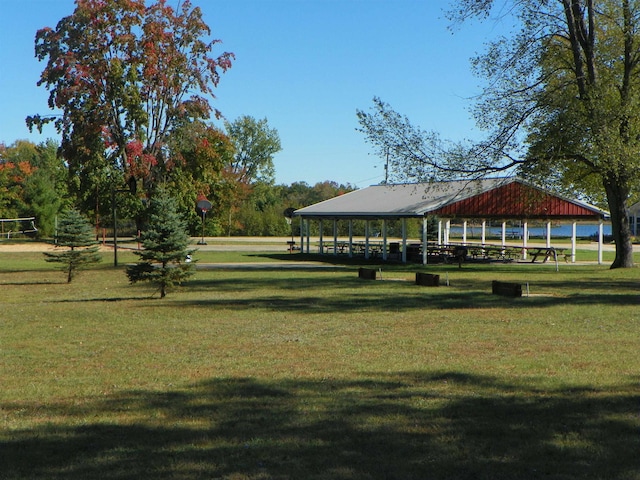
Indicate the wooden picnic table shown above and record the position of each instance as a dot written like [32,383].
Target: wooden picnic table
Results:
[358,248]
[546,253]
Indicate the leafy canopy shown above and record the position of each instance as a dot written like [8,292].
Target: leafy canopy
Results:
[123,75]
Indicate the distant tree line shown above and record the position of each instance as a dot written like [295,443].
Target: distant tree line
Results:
[36,181]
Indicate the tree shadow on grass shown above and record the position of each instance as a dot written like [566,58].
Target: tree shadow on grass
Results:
[103,299]
[346,293]
[342,291]
[412,425]
[546,288]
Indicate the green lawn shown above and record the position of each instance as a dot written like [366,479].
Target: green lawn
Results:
[316,374]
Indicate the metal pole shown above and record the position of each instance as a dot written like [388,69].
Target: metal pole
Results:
[202,242]
[115,228]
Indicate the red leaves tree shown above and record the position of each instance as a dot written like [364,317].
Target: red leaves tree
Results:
[123,76]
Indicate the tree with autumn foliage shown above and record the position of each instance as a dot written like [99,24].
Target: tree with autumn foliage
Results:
[124,76]
[32,183]
[201,153]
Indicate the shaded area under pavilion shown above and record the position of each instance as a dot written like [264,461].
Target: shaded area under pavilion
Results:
[494,199]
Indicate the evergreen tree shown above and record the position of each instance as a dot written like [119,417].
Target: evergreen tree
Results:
[165,247]
[75,235]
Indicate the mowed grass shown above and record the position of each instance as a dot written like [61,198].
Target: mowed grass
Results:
[315,374]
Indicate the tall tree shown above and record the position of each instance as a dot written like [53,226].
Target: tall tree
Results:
[201,153]
[76,247]
[561,103]
[123,75]
[255,145]
[165,245]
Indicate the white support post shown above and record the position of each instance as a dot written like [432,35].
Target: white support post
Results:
[335,237]
[384,239]
[549,234]
[404,240]
[600,241]
[424,241]
[308,224]
[439,232]
[321,247]
[484,232]
[525,239]
[447,231]
[350,237]
[504,233]
[464,232]
[301,234]
[573,242]
[366,239]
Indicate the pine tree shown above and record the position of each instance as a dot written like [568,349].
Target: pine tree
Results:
[165,247]
[75,235]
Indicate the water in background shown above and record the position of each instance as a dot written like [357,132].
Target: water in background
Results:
[582,231]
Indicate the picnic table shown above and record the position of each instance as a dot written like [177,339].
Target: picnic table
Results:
[545,253]
[358,248]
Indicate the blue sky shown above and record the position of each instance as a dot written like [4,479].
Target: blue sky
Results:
[305,65]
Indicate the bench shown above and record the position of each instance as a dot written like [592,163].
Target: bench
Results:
[506,289]
[367,273]
[427,279]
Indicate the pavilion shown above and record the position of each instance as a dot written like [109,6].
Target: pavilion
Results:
[492,199]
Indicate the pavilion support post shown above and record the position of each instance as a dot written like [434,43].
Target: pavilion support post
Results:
[439,232]
[308,229]
[464,232]
[484,232]
[321,239]
[350,237]
[301,234]
[504,233]
[447,231]
[366,239]
[600,241]
[424,240]
[548,244]
[384,239]
[404,240]
[525,239]
[573,242]
[335,237]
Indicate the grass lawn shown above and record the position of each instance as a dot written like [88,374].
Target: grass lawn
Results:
[316,374]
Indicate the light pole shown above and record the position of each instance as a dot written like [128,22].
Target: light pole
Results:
[203,206]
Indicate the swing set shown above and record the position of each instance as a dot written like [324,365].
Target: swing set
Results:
[25,226]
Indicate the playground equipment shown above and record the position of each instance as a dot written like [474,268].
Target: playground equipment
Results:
[25,226]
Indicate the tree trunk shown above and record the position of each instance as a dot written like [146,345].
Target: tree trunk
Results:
[617,195]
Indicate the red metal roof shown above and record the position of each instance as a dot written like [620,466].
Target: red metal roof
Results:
[516,200]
